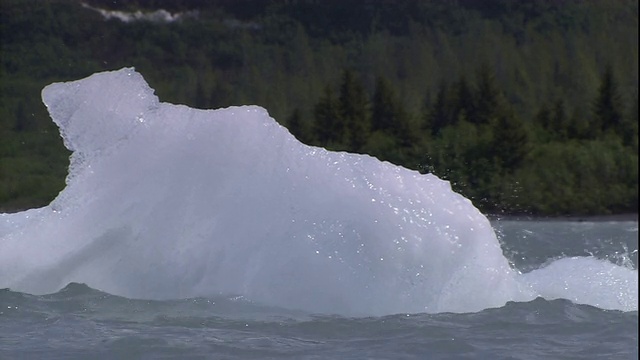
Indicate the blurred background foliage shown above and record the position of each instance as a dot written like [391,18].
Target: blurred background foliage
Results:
[526,107]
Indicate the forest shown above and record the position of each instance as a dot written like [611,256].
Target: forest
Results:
[526,107]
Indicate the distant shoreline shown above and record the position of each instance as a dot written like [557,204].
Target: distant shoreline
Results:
[577,218]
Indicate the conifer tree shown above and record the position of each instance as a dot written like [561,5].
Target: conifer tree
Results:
[578,127]
[607,106]
[464,104]
[328,125]
[543,117]
[388,115]
[353,107]
[297,126]
[383,106]
[510,143]
[437,116]
[554,121]
[488,97]
[559,122]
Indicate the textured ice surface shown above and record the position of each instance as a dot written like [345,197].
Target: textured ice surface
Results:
[164,201]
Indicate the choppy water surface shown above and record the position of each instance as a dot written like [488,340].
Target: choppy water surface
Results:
[79,322]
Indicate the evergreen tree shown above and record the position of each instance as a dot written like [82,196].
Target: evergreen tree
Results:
[554,121]
[607,106]
[437,116]
[384,106]
[388,114]
[510,143]
[297,126]
[328,125]
[579,127]
[488,97]
[464,105]
[353,107]
[559,121]
[543,118]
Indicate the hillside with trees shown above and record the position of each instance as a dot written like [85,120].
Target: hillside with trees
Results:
[526,107]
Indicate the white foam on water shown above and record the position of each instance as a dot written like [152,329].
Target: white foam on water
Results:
[164,201]
[587,280]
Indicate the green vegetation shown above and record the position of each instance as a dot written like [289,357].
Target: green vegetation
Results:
[524,106]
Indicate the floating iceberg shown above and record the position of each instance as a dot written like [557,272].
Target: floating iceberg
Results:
[164,201]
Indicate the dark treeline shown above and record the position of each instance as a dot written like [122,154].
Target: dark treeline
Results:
[524,106]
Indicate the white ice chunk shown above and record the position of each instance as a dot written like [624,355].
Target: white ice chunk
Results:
[164,201]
